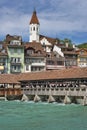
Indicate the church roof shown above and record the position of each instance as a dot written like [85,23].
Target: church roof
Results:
[51,40]
[34,18]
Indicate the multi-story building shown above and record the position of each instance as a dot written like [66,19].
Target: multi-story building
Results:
[3,58]
[82,57]
[70,56]
[35,57]
[15,49]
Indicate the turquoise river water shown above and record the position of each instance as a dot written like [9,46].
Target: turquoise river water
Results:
[16,115]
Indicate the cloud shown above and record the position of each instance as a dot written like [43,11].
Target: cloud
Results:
[55,16]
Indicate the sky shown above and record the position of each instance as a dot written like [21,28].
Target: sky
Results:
[58,18]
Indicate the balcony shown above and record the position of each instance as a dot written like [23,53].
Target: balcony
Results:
[15,71]
[54,67]
[55,59]
[15,63]
[38,64]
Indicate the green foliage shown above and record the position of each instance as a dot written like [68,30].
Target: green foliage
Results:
[83,45]
[66,40]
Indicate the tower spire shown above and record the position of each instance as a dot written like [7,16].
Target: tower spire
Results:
[34,18]
[34,27]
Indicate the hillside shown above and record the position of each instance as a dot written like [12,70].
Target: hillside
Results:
[83,45]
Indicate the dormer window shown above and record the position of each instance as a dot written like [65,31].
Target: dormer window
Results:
[30,52]
[15,42]
[82,52]
[39,52]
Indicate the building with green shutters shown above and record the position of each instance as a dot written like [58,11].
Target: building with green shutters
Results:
[15,49]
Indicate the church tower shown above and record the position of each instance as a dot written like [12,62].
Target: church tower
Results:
[34,28]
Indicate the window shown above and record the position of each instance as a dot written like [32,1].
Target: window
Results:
[19,60]
[19,51]
[15,60]
[82,52]
[33,28]
[27,67]
[37,28]
[82,59]
[50,62]
[60,63]
[12,51]
[19,68]
[15,50]
[30,51]
[15,42]
[15,68]
[39,52]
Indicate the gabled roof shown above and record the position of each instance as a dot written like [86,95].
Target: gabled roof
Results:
[36,46]
[70,52]
[51,40]
[34,18]
[9,38]
[8,79]
[71,73]
[82,49]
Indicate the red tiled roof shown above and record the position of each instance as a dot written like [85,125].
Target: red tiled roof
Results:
[36,46]
[8,78]
[71,73]
[34,18]
[70,52]
[10,38]
[82,49]
[58,74]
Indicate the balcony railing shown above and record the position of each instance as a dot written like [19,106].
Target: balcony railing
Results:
[13,62]
[55,66]
[38,64]
[15,71]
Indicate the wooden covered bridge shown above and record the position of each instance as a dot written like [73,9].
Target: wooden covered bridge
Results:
[68,85]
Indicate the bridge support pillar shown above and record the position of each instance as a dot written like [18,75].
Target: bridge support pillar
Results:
[84,100]
[51,99]
[67,100]
[37,98]
[24,98]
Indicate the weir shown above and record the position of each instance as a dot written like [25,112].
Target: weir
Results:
[65,95]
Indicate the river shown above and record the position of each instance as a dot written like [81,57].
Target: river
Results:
[16,115]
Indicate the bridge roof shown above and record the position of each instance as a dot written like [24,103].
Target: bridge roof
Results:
[71,73]
[8,79]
